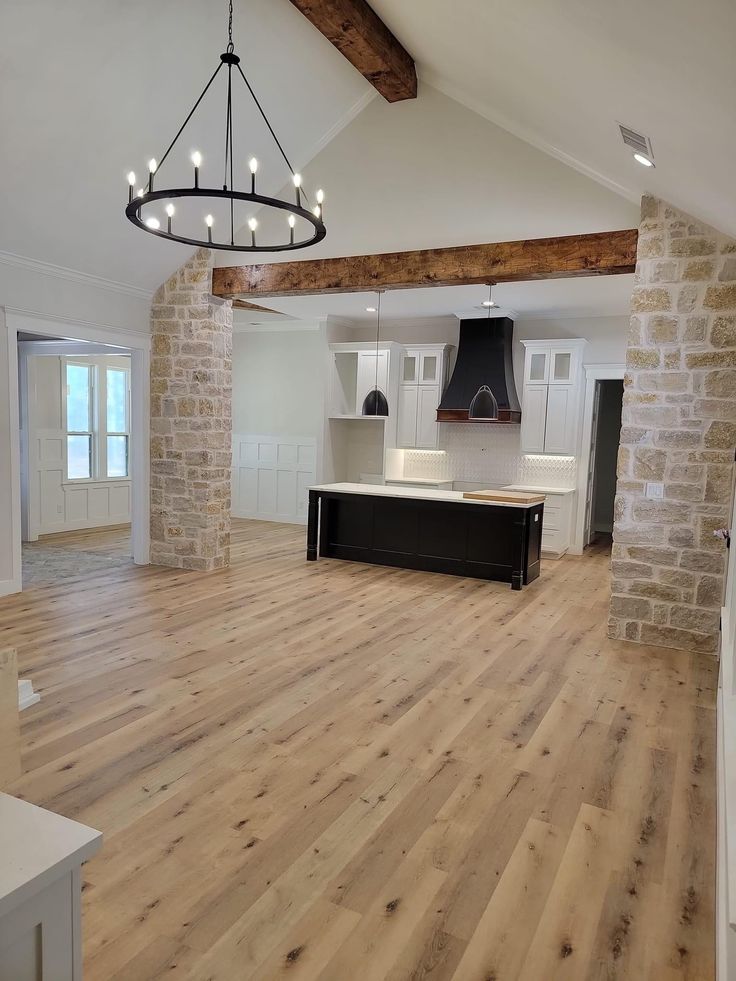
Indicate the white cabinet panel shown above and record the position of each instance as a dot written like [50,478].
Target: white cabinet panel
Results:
[533,418]
[409,368]
[407,422]
[562,367]
[536,368]
[429,368]
[427,426]
[560,432]
[367,375]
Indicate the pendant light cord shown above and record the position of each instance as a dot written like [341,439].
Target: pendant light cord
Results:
[230,45]
[378,330]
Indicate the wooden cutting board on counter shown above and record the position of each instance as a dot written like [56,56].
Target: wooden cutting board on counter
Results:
[505,497]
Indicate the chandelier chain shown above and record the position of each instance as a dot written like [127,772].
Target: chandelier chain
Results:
[294,209]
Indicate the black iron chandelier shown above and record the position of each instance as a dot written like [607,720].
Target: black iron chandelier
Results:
[302,225]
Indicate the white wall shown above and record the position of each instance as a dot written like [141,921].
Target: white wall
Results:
[429,172]
[279,381]
[36,288]
[54,504]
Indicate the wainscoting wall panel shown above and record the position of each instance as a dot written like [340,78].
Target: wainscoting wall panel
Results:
[58,505]
[271,476]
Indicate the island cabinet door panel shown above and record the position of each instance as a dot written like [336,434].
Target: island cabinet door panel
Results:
[443,534]
[345,521]
[491,537]
[396,526]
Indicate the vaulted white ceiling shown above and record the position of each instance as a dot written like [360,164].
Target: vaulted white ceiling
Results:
[91,90]
[562,73]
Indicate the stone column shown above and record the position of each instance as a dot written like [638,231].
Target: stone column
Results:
[679,429]
[191,421]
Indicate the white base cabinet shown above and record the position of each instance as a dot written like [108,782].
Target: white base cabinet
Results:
[557,520]
[40,892]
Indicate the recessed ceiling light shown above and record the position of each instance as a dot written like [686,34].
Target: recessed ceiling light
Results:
[644,161]
[370,309]
[488,303]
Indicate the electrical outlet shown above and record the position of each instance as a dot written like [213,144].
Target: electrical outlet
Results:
[654,491]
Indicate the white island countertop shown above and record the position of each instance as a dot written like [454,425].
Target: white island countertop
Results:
[38,847]
[414,493]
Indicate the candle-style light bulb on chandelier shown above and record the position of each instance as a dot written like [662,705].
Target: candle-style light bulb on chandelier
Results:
[294,234]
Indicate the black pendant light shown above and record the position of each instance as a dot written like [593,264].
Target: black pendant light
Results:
[302,225]
[484,406]
[375,403]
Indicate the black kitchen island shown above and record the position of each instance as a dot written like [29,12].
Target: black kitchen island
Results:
[430,530]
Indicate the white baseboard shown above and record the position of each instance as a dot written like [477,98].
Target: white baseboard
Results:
[9,586]
[26,695]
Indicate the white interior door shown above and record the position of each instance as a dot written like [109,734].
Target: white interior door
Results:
[590,483]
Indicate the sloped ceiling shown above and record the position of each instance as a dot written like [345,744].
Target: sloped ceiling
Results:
[431,172]
[92,89]
[561,73]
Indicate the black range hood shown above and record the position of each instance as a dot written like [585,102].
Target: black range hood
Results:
[482,386]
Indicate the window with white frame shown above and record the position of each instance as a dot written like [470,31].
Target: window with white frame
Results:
[97,413]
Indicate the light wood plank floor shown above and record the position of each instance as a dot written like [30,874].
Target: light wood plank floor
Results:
[337,771]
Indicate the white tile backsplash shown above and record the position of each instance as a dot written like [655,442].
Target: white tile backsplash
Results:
[488,455]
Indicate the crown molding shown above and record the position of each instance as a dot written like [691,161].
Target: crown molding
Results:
[72,275]
[54,325]
[277,327]
[444,85]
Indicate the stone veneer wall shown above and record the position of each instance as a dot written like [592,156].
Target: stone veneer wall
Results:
[678,427]
[191,421]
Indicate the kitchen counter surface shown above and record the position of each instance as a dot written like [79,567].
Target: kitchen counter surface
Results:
[415,493]
[536,487]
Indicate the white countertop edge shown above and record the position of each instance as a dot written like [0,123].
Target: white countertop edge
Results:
[414,493]
[532,488]
[39,847]
[429,481]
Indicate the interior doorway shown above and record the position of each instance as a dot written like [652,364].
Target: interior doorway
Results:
[75,446]
[605,435]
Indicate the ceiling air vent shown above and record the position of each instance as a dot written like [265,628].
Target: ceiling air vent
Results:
[637,142]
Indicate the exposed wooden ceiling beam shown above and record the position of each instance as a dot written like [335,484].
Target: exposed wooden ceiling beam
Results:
[598,254]
[251,307]
[362,37]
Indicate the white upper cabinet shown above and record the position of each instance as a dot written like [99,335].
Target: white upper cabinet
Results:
[370,375]
[422,379]
[551,396]
[409,368]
